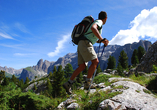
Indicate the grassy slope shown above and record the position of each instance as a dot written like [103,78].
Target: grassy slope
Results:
[12,97]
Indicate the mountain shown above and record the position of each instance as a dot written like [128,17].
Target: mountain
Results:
[129,48]
[148,60]
[11,70]
[113,50]
[39,70]
[44,67]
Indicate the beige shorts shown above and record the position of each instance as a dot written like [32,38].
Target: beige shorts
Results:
[85,51]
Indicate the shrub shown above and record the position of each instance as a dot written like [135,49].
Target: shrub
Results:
[154,69]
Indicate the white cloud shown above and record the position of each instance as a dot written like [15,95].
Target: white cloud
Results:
[19,54]
[143,26]
[24,54]
[5,36]
[21,27]
[60,46]
[11,46]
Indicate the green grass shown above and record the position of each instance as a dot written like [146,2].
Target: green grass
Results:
[92,101]
[102,79]
[147,91]
[142,80]
[17,100]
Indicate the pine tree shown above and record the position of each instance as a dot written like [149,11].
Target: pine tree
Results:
[6,81]
[27,80]
[134,58]
[21,84]
[35,87]
[85,71]
[14,79]
[50,75]
[123,59]
[111,62]
[136,61]
[58,80]
[2,75]
[49,86]
[68,70]
[78,82]
[141,52]
[54,69]
[98,70]
[120,70]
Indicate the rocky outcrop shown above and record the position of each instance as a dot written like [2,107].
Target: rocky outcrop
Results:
[42,66]
[39,70]
[133,97]
[148,60]
[31,73]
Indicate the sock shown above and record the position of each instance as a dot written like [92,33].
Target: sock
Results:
[71,81]
[88,79]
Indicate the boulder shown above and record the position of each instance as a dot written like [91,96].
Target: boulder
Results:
[133,98]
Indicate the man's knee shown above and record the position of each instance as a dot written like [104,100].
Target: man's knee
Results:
[82,66]
[95,61]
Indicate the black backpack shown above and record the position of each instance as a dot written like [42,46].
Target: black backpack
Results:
[80,29]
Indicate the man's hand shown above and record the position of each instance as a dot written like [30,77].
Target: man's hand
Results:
[105,42]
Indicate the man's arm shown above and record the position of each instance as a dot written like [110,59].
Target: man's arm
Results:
[94,29]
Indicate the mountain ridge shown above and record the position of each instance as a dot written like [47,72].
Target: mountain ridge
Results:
[44,67]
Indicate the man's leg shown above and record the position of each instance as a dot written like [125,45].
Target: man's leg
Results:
[77,71]
[92,68]
[68,84]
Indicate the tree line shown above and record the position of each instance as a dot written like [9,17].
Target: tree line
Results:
[59,75]
[123,60]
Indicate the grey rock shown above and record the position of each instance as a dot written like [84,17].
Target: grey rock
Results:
[106,88]
[132,98]
[152,74]
[118,79]
[104,73]
[31,73]
[148,60]
[66,104]
[73,106]
[108,71]
[101,85]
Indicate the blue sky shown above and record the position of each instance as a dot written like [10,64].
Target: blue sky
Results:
[40,29]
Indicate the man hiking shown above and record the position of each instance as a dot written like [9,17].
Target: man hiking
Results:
[87,53]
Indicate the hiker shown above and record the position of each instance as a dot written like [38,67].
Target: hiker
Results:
[87,53]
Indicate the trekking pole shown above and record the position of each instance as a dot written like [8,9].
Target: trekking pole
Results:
[97,65]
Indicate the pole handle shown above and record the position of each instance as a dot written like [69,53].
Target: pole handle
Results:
[99,41]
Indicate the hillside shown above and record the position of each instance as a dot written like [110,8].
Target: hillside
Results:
[113,92]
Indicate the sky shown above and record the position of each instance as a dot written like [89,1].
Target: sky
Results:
[31,30]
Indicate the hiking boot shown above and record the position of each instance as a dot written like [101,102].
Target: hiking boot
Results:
[87,84]
[67,87]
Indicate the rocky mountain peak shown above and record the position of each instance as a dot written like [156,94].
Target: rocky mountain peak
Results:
[40,63]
